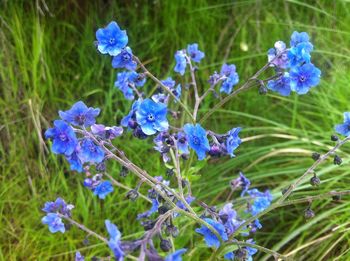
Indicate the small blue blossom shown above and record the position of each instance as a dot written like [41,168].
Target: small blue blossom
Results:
[126,81]
[169,82]
[280,85]
[54,222]
[182,143]
[90,152]
[300,54]
[231,78]
[111,39]
[80,115]
[181,63]
[106,132]
[242,181]
[114,242]
[233,141]
[153,209]
[177,92]
[210,238]
[197,139]
[228,217]
[195,54]
[54,206]
[302,78]
[75,162]
[249,252]
[176,256]
[261,201]
[79,257]
[137,78]
[297,38]
[344,129]
[103,189]
[124,60]
[280,50]
[63,137]
[131,115]
[189,199]
[151,117]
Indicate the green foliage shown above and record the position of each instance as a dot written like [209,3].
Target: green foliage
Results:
[48,61]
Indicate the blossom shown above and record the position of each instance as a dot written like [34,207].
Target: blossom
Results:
[302,78]
[103,189]
[228,217]
[300,54]
[126,121]
[180,58]
[153,209]
[80,115]
[124,60]
[297,38]
[114,242]
[242,182]
[151,117]
[210,238]
[169,82]
[280,85]
[111,40]
[59,205]
[344,129]
[127,81]
[176,256]
[54,222]
[233,141]
[63,137]
[280,50]
[106,132]
[197,139]
[231,78]
[79,257]
[75,162]
[195,54]
[247,253]
[89,152]
[182,143]
[261,200]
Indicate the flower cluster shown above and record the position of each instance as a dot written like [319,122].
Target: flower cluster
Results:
[154,117]
[295,72]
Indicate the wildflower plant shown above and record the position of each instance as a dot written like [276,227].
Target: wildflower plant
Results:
[154,116]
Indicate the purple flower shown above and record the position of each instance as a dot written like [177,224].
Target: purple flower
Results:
[197,139]
[210,238]
[63,137]
[106,132]
[80,115]
[280,50]
[151,117]
[242,182]
[180,58]
[89,152]
[54,222]
[103,189]
[124,60]
[280,85]
[344,129]
[114,242]
[176,256]
[111,39]
[228,217]
[302,78]
[79,257]
[195,54]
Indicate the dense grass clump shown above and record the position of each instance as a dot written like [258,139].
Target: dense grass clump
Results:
[48,61]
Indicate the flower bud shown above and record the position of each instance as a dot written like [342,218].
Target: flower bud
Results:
[315,181]
[148,224]
[172,231]
[315,156]
[162,210]
[224,218]
[101,166]
[309,213]
[170,172]
[86,241]
[336,197]
[337,160]
[132,194]
[334,137]
[124,172]
[132,124]
[262,90]
[165,245]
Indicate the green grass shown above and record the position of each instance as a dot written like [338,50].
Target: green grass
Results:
[48,61]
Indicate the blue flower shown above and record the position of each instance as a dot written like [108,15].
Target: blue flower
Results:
[79,257]
[233,141]
[176,256]
[103,189]
[124,60]
[261,201]
[249,252]
[54,222]
[195,54]
[137,78]
[151,117]
[177,92]
[228,217]
[344,129]
[80,115]
[54,206]
[131,115]
[89,152]
[242,182]
[114,242]
[182,143]
[297,38]
[280,85]
[231,78]
[180,66]
[169,82]
[63,137]
[210,238]
[106,132]
[111,39]
[300,54]
[153,209]
[282,60]
[126,81]
[189,200]
[302,78]
[197,139]
[75,162]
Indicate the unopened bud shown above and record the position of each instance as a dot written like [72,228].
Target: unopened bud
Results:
[132,194]
[337,160]
[165,245]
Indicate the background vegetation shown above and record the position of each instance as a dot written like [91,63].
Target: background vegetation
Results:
[48,61]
